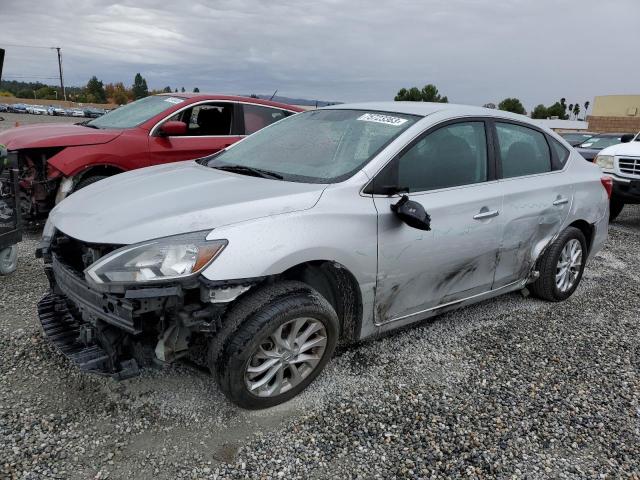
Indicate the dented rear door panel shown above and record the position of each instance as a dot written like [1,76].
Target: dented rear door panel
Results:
[535,211]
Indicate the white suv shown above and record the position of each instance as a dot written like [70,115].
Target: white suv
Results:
[622,163]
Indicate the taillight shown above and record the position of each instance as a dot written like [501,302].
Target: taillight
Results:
[607,183]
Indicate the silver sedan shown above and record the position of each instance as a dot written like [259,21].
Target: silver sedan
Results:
[327,227]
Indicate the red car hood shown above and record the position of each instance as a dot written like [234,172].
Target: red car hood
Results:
[46,135]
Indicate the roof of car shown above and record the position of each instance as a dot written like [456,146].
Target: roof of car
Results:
[427,108]
[232,98]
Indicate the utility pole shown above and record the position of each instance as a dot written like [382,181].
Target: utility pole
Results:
[64,93]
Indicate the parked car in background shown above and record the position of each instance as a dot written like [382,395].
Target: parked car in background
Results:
[37,109]
[55,111]
[17,108]
[622,163]
[93,112]
[576,138]
[590,148]
[58,159]
[4,107]
[328,227]
[74,112]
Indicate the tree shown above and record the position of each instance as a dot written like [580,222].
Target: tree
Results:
[95,92]
[429,93]
[586,107]
[46,93]
[120,94]
[512,105]
[570,109]
[166,89]
[557,110]
[182,90]
[253,95]
[576,110]
[176,90]
[196,90]
[540,112]
[139,88]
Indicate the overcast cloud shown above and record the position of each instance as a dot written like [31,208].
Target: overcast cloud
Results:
[475,51]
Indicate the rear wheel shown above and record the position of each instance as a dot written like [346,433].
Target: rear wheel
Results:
[280,347]
[615,208]
[561,267]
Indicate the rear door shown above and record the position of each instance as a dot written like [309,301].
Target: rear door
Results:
[537,195]
[450,171]
[211,127]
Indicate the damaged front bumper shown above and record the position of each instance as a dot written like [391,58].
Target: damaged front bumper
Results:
[116,334]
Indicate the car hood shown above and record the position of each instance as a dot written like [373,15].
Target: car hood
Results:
[172,199]
[45,135]
[631,148]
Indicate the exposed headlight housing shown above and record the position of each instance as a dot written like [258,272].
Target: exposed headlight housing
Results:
[604,161]
[168,258]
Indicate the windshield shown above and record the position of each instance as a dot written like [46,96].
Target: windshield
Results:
[133,114]
[576,136]
[320,146]
[598,143]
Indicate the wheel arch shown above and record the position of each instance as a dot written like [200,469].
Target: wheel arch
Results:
[339,286]
[587,230]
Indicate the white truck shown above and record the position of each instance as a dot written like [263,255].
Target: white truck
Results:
[622,163]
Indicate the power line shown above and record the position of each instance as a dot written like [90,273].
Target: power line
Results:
[29,76]
[26,46]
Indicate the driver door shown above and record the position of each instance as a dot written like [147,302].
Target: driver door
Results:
[450,171]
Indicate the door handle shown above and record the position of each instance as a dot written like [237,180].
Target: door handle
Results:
[561,201]
[487,214]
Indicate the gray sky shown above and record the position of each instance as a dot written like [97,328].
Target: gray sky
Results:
[475,51]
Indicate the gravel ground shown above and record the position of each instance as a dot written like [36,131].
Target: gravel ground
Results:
[512,387]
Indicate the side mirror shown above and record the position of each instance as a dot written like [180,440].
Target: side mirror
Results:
[172,129]
[412,213]
[627,138]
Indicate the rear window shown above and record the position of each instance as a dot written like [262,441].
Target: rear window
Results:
[523,150]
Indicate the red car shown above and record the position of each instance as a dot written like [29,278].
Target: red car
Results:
[57,159]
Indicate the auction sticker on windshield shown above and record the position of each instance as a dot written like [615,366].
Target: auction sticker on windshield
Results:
[174,100]
[379,118]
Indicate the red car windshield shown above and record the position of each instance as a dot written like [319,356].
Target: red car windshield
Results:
[136,113]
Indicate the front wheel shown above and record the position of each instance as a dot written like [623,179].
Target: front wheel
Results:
[561,266]
[279,348]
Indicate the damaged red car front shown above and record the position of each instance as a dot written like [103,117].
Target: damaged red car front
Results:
[58,159]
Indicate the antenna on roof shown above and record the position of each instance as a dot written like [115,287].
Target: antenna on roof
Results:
[274,94]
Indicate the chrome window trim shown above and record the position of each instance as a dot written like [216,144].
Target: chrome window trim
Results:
[152,132]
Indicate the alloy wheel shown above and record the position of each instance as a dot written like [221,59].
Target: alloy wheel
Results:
[569,265]
[286,357]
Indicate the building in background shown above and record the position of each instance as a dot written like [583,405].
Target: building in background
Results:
[615,113]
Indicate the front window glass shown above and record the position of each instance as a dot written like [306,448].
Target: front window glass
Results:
[451,156]
[133,114]
[320,146]
[208,119]
[598,143]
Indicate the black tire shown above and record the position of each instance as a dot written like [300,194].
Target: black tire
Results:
[615,208]
[249,324]
[88,181]
[545,286]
